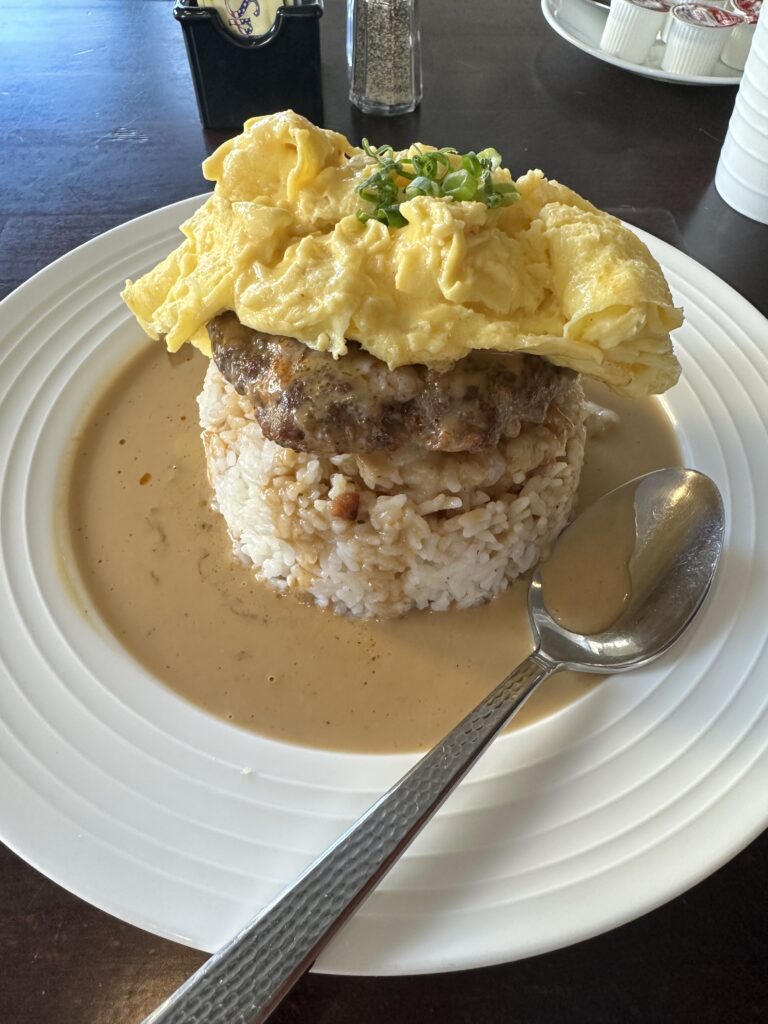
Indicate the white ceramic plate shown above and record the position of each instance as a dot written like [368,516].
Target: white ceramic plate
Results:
[184,825]
[581,23]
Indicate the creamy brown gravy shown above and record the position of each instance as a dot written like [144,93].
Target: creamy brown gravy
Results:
[602,539]
[158,567]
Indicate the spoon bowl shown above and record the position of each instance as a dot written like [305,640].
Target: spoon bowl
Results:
[678,535]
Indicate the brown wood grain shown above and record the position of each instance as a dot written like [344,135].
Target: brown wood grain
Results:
[98,124]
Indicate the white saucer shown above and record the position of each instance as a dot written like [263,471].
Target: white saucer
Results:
[581,22]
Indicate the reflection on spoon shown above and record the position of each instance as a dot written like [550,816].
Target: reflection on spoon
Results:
[675,536]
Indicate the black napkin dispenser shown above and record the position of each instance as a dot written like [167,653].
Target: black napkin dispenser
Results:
[237,77]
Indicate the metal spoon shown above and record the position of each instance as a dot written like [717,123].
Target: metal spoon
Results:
[678,516]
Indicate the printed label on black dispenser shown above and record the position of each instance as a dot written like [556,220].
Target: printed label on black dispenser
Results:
[247,17]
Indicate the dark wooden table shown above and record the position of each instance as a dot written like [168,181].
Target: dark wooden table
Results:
[98,124]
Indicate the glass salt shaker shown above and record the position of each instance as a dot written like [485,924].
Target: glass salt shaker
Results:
[384,55]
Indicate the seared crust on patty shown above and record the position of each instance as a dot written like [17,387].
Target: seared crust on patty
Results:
[308,401]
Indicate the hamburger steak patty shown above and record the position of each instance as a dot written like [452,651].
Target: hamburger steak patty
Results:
[310,402]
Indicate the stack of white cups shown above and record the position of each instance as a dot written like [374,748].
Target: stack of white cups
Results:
[742,173]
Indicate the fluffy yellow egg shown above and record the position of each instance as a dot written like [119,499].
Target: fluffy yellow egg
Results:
[279,242]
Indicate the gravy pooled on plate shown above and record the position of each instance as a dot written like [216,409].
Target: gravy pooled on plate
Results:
[158,567]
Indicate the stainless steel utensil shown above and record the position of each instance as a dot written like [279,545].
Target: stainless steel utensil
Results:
[679,525]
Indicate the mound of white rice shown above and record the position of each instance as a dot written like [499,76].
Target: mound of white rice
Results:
[378,534]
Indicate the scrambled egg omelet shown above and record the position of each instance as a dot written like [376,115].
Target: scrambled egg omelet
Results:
[279,243]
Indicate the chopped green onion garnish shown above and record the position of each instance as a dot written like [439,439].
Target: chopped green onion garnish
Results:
[430,174]
[421,186]
[459,185]
[492,156]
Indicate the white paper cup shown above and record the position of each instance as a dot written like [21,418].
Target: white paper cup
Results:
[632,26]
[696,36]
[742,172]
[737,46]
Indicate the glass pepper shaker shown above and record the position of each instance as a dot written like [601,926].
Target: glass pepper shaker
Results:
[384,55]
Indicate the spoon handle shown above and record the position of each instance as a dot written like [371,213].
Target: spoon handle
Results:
[247,978]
